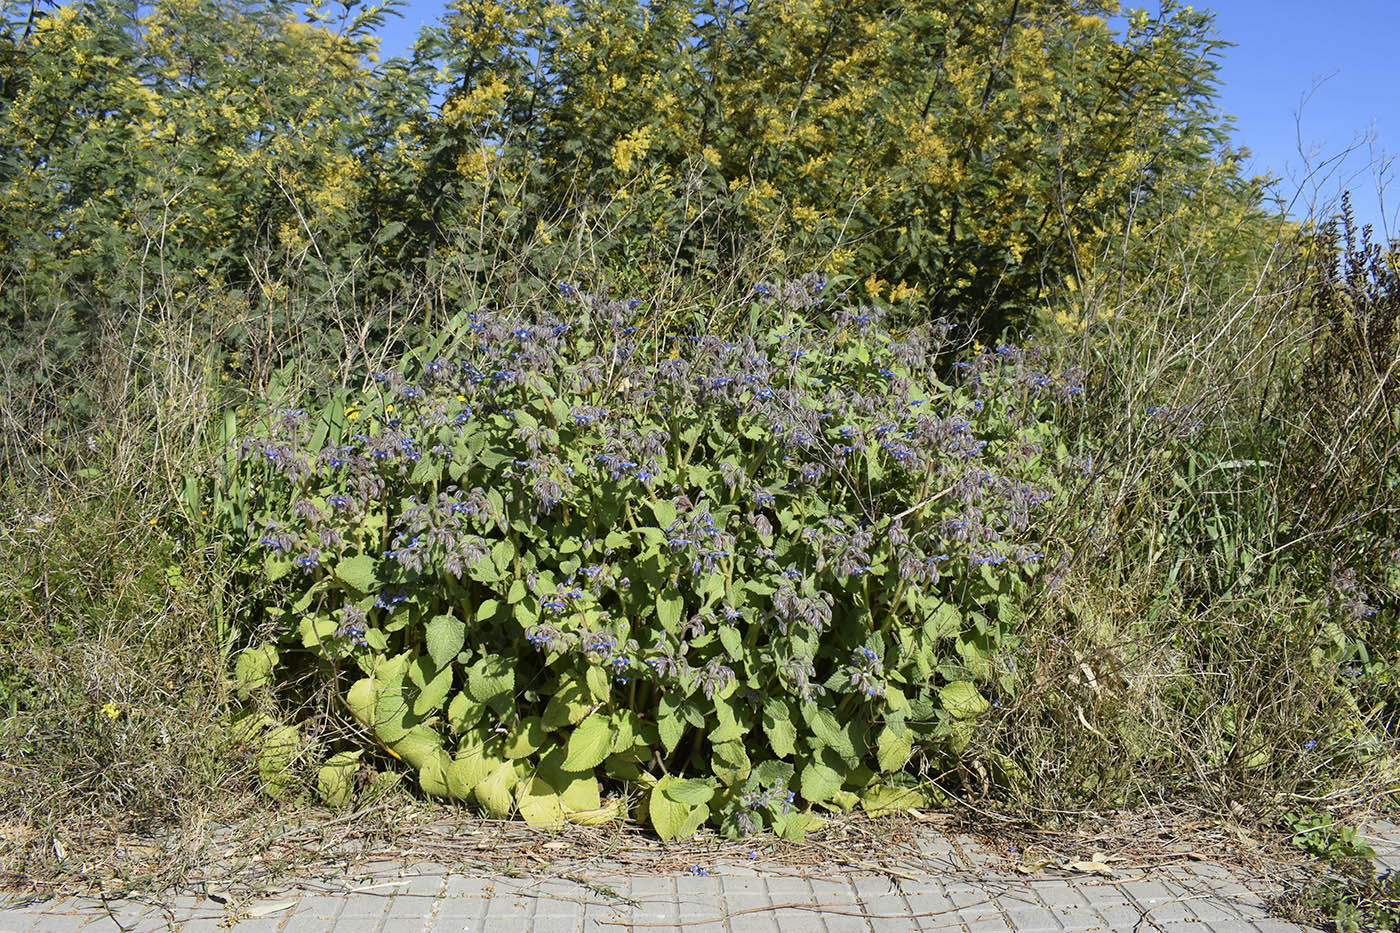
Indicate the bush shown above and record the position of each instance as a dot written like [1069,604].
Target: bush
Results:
[742,575]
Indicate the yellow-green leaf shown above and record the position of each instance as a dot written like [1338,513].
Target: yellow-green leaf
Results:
[589,743]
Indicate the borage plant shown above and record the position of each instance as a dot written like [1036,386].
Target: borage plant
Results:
[740,576]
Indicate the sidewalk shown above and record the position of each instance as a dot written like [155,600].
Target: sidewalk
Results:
[956,887]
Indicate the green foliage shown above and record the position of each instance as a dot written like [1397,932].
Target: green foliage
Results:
[962,153]
[203,146]
[1351,903]
[1349,894]
[1324,837]
[743,576]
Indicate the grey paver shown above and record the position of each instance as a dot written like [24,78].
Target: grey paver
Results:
[930,909]
[402,925]
[748,913]
[968,893]
[358,924]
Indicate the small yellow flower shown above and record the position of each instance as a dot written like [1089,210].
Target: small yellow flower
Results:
[461,398]
[352,414]
[388,409]
[111,710]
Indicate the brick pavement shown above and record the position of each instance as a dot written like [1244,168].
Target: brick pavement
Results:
[958,888]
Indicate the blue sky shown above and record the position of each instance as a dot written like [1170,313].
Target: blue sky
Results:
[1317,73]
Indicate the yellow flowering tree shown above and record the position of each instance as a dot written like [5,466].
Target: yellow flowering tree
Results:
[965,155]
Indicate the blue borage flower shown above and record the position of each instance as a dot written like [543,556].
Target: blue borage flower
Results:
[352,625]
[390,601]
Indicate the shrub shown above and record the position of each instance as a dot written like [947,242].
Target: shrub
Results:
[744,575]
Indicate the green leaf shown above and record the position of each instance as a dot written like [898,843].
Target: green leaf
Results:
[589,743]
[818,779]
[491,681]
[463,713]
[667,816]
[503,554]
[665,512]
[669,607]
[670,728]
[253,670]
[670,723]
[962,701]
[418,746]
[432,774]
[388,232]
[525,739]
[827,731]
[794,825]
[335,782]
[893,751]
[880,800]
[598,685]
[773,773]
[279,747]
[569,704]
[777,725]
[730,762]
[625,726]
[691,792]
[433,694]
[577,789]
[733,643]
[426,471]
[470,766]
[487,609]
[358,573]
[729,728]
[670,819]
[445,637]
[494,792]
[275,568]
[391,712]
[361,698]
[539,805]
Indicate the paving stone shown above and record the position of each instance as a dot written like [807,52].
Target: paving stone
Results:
[977,908]
[1169,906]
[57,923]
[1112,910]
[1220,910]
[402,925]
[1384,837]
[308,924]
[1029,917]
[411,906]
[749,913]
[737,897]
[936,846]
[359,924]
